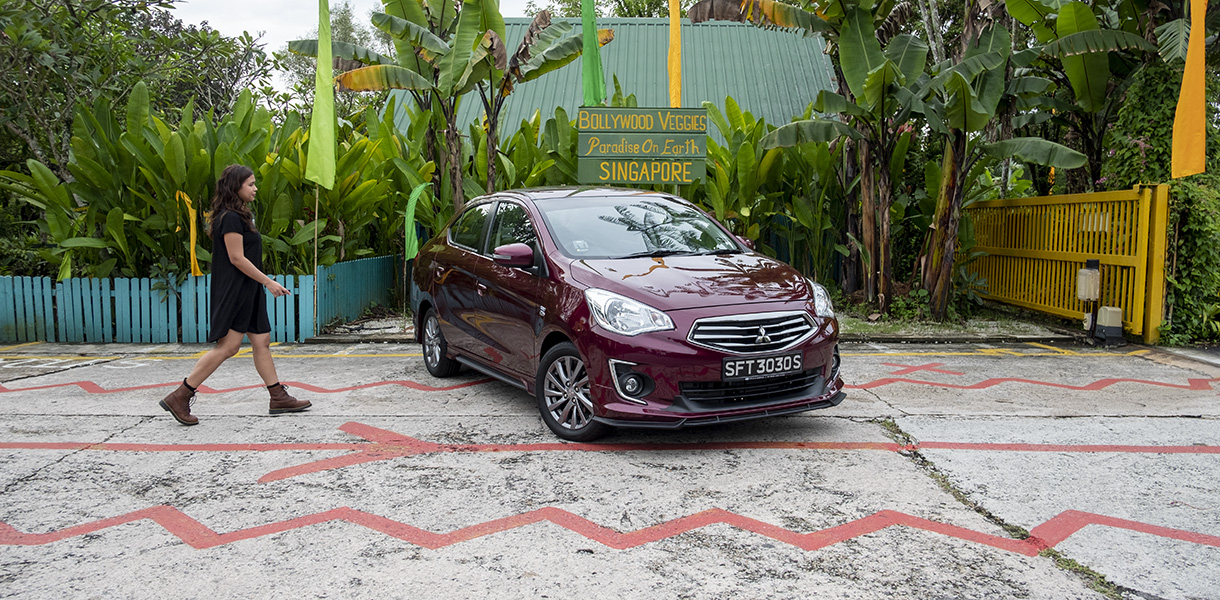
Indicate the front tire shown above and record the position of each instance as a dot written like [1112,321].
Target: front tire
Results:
[435,360]
[563,395]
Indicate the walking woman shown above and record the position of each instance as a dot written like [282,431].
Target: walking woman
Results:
[239,306]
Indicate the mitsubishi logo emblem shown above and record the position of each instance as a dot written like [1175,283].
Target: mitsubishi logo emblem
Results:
[762,338]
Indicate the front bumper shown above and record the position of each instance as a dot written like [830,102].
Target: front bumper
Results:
[688,388]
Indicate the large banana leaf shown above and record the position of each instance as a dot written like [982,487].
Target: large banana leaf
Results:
[829,102]
[453,65]
[990,86]
[1097,40]
[859,51]
[962,107]
[413,11]
[529,54]
[1089,73]
[342,50]
[1033,14]
[1038,151]
[382,77]
[555,56]
[804,132]
[418,36]
[910,54]
[1172,37]
[879,84]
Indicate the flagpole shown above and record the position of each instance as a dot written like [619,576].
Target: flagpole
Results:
[316,193]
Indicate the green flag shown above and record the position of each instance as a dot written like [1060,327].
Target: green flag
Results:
[411,243]
[320,159]
[594,80]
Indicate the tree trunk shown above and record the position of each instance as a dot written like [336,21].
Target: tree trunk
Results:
[851,263]
[868,221]
[938,264]
[885,197]
[493,144]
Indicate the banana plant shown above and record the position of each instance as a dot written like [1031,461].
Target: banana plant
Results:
[874,103]
[961,99]
[1090,53]
[740,173]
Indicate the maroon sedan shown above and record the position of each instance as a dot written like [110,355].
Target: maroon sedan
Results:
[623,308]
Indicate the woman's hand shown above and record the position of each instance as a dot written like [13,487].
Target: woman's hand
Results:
[276,289]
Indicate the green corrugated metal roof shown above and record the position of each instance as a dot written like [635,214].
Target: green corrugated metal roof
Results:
[772,74]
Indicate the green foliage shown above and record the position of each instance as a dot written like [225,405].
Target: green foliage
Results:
[126,209]
[1140,150]
[1194,260]
[54,55]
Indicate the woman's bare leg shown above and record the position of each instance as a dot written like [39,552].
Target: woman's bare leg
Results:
[207,364]
[263,363]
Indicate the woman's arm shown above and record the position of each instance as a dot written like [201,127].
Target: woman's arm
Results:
[237,256]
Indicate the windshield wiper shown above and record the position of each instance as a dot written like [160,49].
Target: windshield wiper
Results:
[656,253]
[721,252]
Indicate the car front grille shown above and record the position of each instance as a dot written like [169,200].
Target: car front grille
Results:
[749,334]
[750,392]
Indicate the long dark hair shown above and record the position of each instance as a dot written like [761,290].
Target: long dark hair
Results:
[226,197]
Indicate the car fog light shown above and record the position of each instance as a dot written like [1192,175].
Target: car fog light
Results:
[630,385]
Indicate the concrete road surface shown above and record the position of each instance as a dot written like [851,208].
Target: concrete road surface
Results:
[951,471]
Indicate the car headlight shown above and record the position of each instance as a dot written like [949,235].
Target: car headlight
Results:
[623,315]
[821,299]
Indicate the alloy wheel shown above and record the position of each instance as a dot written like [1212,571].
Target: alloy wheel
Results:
[566,392]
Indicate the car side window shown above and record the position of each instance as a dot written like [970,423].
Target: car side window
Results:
[512,226]
[469,229]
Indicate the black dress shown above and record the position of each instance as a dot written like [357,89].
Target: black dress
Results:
[238,302]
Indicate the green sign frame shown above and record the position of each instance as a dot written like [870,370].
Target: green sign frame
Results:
[641,145]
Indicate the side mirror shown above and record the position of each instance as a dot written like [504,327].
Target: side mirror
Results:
[749,243]
[513,255]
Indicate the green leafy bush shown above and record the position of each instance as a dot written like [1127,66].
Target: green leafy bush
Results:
[1140,152]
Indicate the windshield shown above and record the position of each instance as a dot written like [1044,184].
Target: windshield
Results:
[626,227]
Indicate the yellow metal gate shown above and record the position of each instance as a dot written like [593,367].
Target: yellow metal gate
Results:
[1035,246]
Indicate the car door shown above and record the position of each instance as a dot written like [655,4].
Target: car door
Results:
[510,296]
[456,289]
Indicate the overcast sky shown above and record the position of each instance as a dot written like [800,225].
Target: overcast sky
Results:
[281,21]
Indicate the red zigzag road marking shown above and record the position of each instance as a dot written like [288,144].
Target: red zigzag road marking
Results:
[1202,384]
[197,535]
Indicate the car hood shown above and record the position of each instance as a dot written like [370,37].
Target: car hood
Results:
[682,282]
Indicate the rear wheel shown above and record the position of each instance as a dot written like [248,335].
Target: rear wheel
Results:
[433,341]
[563,395]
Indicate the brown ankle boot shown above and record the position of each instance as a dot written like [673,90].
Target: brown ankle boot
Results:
[178,403]
[281,402]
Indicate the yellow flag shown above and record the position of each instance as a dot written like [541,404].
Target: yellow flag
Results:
[190,211]
[675,54]
[1190,122]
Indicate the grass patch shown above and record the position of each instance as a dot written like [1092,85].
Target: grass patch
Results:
[1097,582]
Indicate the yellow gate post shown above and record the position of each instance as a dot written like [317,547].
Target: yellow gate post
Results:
[1154,291]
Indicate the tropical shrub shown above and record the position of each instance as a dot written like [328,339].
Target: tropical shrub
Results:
[1139,151]
[135,204]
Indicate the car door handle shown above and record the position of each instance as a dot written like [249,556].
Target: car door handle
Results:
[482,289]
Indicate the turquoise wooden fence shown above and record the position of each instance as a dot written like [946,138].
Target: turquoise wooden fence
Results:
[130,311]
[345,289]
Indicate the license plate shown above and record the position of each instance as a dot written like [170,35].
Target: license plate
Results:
[764,366]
